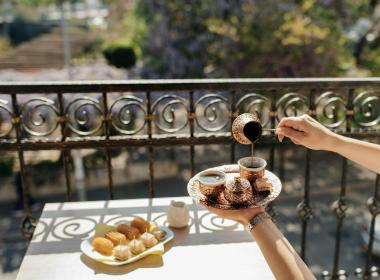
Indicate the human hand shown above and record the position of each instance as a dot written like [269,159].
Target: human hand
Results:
[306,131]
[242,216]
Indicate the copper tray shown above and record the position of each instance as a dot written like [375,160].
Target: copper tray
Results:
[258,199]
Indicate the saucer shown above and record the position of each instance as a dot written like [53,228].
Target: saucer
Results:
[232,170]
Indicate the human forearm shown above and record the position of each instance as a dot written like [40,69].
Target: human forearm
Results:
[308,132]
[279,254]
[363,153]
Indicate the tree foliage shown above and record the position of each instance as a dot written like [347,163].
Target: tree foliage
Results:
[38,3]
[247,38]
[120,56]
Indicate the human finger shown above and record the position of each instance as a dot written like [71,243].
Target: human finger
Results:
[291,133]
[295,142]
[294,122]
[280,136]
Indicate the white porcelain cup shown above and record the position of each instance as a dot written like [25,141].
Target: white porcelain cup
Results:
[178,214]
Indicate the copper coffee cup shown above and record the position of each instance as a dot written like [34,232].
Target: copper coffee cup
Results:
[211,183]
[252,168]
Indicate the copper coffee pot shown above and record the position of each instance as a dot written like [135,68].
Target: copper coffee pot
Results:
[247,128]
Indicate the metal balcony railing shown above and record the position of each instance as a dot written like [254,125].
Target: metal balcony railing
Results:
[152,113]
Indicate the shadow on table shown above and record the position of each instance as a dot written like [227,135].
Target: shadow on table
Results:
[181,238]
[151,261]
[62,229]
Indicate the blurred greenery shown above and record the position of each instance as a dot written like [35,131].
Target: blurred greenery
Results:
[91,52]
[241,38]
[130,33]
[371,60]
[136,29]
[5,45]
[119,55]
[43,2]
[246,38]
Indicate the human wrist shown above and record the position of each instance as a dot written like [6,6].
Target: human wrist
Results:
[249,215]
[255,221]
[332,142]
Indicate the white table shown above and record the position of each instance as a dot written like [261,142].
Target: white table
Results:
[209,247]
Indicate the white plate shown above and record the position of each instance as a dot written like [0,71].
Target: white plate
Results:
[158,249]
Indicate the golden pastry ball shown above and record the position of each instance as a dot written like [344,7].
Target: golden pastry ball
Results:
[102,245]
[129,231]
[116,238]
[141,224]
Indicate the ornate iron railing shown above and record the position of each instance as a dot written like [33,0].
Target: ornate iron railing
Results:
[156,113]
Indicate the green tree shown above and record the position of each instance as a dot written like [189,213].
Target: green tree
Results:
[245,38]
[37,3]
[120,56]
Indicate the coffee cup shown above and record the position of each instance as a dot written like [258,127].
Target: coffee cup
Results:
[252,168]
[211,182]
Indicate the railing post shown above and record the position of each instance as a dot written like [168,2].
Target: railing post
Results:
[106,121]
[305,211]
[28,222]
[65,151]
[191,123]
[340,206]
[374,208]
[233,115]
[273,116]
[150,149]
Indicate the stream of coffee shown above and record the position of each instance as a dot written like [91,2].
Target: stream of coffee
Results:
[252,153]
[252,131]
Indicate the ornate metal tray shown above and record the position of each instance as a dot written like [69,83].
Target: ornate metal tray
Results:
[258,199]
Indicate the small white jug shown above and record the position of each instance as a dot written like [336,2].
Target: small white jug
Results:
[178,214]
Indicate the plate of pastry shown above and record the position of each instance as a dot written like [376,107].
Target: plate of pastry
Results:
[223,188]
[126,243]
